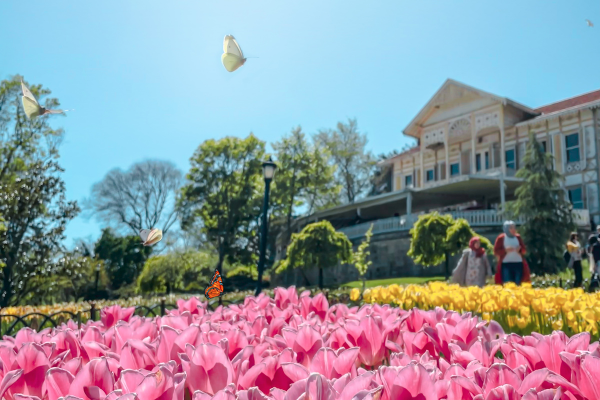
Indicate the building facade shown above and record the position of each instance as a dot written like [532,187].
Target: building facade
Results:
[470,145]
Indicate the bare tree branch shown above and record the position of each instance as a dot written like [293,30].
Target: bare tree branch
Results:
[140,198]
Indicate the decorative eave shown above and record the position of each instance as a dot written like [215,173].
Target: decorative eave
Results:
[558,114]
[431,106]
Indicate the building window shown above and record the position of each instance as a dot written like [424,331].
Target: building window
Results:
[430,175]
[510,159]
[478,162]
[454,169]
[408,181]
[487,160]
[544,146]
[576,198]
[572,147]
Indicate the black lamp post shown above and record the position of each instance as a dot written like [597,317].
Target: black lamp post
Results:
[97,277]
[268,171]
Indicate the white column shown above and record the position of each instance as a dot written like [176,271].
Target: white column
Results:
[594,123]
[421,151]
[502,194]
[502,144]
[447,151]
[473,145]
[409,204]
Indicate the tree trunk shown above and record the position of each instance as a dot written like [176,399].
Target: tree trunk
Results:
[447,262]
[320,278]
[364,283]
[168,287]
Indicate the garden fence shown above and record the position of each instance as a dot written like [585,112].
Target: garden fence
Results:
[10,324]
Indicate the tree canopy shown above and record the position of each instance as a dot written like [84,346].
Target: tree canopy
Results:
[318,245]
[223,195]
[33,204]
[354,163]
[142,197]
[123,256]
[188,270]
[435,237]
[542,203]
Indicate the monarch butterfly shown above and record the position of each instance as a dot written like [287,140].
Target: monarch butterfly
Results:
[215,288]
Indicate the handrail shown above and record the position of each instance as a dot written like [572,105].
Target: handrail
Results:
[475,218]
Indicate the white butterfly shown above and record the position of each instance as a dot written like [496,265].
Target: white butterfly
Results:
[232,57]
[590,24]
[150,236]
[32,107]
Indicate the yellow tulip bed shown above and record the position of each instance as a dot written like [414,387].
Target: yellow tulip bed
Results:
[519,309]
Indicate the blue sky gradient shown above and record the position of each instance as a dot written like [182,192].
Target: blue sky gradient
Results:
[146,81]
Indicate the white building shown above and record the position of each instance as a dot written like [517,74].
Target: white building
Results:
[471,143]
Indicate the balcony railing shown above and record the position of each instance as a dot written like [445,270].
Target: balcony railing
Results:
[475,218]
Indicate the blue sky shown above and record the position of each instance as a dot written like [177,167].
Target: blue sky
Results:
[146,80]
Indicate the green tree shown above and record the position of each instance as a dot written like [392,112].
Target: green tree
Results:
[123,256]
[32,194]
[435,238]
[319,245]
[304,181]
[296,182]
[361,257]
[72,278]
[178,271]
[223,196]
[542,204]
[354,163]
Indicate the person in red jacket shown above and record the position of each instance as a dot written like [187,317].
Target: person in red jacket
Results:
[509,249]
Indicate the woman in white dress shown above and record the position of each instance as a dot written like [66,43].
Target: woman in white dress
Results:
[473,267]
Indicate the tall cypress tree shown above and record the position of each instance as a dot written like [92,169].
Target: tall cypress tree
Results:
[547,213]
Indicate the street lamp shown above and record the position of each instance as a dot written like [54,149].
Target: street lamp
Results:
[268,172]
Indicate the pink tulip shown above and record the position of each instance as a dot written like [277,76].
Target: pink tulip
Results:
[136,354]
[285,297]
[208,368]
[315,387]
[410,382]
[333,364]
[159,385]
[305,342]
[34,363]
[95,378]
[113,314]
[57,384]
[273,372]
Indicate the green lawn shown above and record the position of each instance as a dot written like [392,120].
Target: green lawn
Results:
[391,281]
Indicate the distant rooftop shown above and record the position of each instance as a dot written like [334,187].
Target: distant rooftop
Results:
[569,103]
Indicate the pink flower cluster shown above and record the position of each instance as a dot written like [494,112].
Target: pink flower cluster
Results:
[295,348]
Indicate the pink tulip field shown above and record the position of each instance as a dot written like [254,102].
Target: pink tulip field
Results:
[295,347]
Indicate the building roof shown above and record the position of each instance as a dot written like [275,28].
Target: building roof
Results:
[431,104]
[570,102]
[412,150]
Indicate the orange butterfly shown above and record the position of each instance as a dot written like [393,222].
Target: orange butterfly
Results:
[215,288]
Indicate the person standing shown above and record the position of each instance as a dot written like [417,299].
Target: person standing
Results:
[574,248]
[473,267]
[510,251]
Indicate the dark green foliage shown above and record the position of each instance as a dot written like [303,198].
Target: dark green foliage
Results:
[542,203]
[435,238]
[317,245]
[32,196]
[123,256]
[188,270]
[223,196]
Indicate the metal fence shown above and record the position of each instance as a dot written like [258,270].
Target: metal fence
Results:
[11,324]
